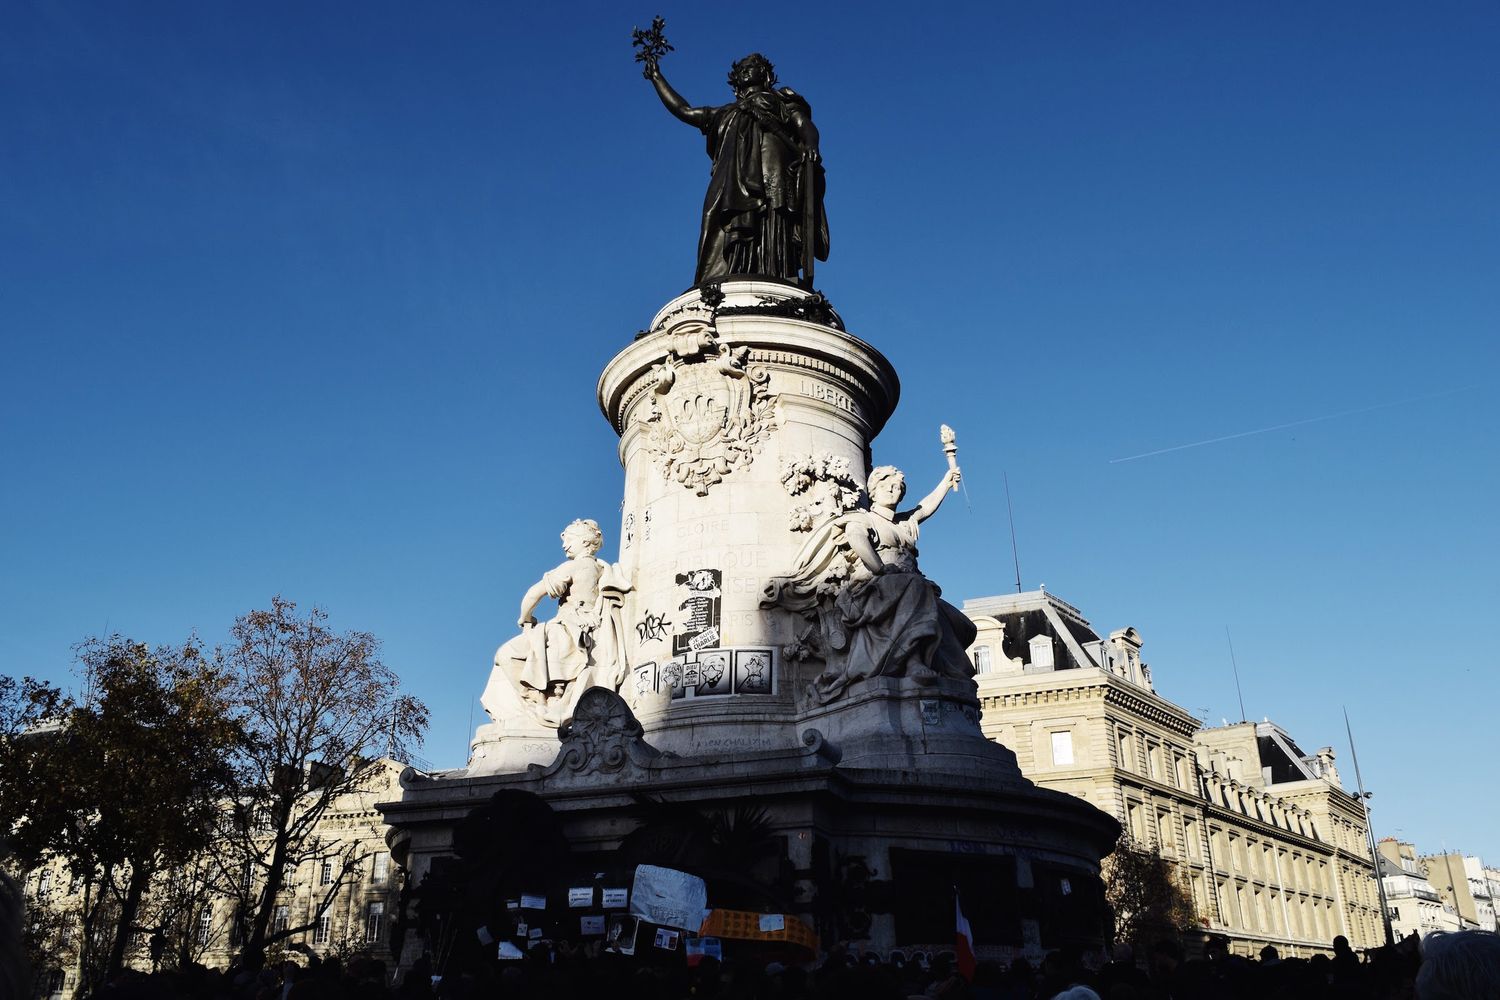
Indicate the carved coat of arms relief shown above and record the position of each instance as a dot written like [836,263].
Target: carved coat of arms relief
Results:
[707,413]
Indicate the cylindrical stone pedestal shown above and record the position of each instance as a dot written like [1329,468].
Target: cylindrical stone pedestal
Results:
[738,422]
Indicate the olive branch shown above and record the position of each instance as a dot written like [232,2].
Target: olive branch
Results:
[651,43]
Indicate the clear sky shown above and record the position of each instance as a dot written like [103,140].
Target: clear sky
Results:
[311,299]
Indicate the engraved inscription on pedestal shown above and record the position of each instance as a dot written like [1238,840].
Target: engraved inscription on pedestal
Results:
[825,393]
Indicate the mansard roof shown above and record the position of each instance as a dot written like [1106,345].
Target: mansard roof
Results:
[1039,613]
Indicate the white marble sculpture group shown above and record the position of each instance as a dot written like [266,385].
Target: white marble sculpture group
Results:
[871,612]
[867,608]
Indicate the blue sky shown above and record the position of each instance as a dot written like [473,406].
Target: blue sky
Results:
[311,300]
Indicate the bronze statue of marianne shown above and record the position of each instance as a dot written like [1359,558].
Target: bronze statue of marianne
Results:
[763,214]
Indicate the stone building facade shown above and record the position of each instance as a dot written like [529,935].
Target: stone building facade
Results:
[1415,907]
[1464,883]
[1267,841]
[1311,836]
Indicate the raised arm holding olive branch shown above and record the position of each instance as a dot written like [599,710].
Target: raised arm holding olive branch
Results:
[763,212]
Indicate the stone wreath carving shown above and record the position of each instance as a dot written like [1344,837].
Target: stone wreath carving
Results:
[824,483]
[707,413]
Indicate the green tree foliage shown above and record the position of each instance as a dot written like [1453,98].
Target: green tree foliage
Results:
[319,710]
[31,712]
[1146,895]
[126,784]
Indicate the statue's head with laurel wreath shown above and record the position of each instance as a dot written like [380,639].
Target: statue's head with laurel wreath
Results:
[754,72]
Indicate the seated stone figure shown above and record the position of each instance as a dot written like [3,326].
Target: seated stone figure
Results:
[551,664]
[873,613]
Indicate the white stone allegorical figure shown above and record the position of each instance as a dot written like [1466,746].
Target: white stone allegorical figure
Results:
[873,613]
[550,664]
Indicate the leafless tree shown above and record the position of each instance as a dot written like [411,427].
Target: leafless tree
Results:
[320,710]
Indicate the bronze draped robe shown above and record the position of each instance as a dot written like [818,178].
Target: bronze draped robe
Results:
[753,213]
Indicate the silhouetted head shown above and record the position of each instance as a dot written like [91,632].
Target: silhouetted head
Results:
[754,72]
[1459,966]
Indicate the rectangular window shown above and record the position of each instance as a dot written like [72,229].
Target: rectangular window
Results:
[981,659]
[325,929]
[205,924]
[380,868]
[1152,750]
[282,920]
[1062,749]
[326,877]
[1122,746]
[247,873]
[1164,838]
[374,921]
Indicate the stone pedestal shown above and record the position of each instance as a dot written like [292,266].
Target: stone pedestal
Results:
[871,837]
[745,416]
[714,405]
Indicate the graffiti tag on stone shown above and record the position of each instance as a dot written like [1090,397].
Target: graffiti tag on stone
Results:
[651,627]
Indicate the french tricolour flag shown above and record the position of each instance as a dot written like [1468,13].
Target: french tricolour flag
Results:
[963,939]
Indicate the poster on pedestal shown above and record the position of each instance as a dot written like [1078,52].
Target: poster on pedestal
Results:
[669,897]
[619,937]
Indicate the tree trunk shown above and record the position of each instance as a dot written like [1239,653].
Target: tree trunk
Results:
[140,877]
[254,953]
[86,970]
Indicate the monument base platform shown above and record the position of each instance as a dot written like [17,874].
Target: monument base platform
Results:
[865,843]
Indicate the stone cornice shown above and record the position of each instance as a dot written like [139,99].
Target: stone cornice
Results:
[774,342]
[1151,706]
[1057,686]
[1268,831]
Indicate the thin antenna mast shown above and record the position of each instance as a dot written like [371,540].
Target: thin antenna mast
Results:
[1011,514]
[1236,666]
[1364,802]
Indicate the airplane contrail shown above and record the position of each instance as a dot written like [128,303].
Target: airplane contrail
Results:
[1295,423]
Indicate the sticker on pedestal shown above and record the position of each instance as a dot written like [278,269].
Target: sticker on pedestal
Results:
[713,673]
[752,671]
[710,673]
[698,613]
[645,679]
[671,678]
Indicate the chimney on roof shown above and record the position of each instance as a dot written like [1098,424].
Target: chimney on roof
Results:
[1325,766]
[1125,643]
